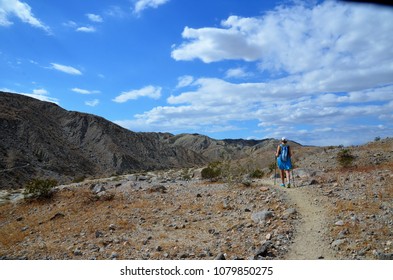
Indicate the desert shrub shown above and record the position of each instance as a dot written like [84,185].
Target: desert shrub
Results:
[257,173]
[345,158]
[272,166]
[185,175]
[38,188]
[79,179]
[212,171]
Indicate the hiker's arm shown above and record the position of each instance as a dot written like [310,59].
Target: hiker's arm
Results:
[278,151]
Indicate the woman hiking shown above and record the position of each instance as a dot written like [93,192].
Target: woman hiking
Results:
[283,155]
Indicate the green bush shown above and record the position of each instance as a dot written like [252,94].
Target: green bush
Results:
[212,171]
[345,158]
[257,173]
[38,188]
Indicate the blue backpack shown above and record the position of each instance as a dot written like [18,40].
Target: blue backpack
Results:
[284,155]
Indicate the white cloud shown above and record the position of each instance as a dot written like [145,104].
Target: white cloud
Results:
[86,29]
[71,24]
[40,91]
[116,12]
[85,91]
[184,81]
[66,69]
[94,18]
[327,80]
[92,103]
[141,5]
[40,94]
[305,41]
[21,10]
[238,72]
[148,91]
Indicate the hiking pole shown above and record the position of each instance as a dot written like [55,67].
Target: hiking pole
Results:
[275,169]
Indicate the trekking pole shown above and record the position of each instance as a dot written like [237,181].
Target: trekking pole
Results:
[275,170]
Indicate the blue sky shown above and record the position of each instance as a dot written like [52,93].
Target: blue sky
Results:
[317,72]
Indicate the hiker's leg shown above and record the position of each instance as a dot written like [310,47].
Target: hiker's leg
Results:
[282,175]
[288,176]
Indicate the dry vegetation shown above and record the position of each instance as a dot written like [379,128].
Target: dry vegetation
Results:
[199,219]
[188,220]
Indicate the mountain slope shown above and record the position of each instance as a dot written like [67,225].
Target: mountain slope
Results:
[40,139]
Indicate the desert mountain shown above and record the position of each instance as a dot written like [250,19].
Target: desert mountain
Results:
[40,139]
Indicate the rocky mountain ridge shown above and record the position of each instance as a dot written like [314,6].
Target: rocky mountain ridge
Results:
[42,140]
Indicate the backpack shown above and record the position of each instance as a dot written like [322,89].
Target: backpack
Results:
[284,155]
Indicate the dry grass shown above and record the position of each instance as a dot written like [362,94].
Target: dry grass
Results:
[365,229]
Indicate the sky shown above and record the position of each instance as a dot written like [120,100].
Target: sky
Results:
[317,72]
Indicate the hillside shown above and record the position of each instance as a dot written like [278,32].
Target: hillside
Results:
[40,139]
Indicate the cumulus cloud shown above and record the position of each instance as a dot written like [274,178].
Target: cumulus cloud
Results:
[141,5]
[328,76]
[66,69]
[148,91]
[21,10]
[301,40]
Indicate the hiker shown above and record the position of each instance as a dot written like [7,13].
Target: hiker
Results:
[283,155]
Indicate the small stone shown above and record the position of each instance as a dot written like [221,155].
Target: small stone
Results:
[98,188]
[77,252]
[263,250]
[338,243]
[112,227]
[25,228]
[268,236]
[220,256]
[289,212]
[339,223]
[114,255]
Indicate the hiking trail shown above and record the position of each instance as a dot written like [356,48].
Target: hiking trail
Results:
[310,239]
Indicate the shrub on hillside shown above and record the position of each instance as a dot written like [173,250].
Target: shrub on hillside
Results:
[38,188]
[345,158]
[257,173]
[212,171]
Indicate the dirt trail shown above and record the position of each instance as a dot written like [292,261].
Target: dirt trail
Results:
[311,241]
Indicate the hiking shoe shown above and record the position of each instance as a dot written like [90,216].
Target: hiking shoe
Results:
[289,185]
[282,185]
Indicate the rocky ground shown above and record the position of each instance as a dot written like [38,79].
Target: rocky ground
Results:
[329,213]
[146,217]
